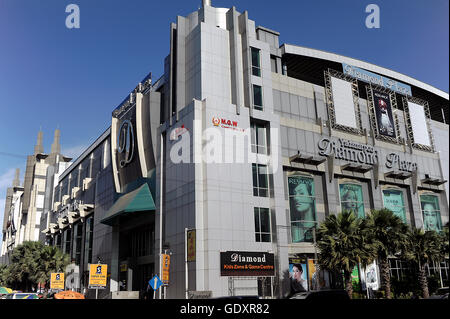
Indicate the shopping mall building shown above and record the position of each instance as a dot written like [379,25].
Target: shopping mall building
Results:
[243,146]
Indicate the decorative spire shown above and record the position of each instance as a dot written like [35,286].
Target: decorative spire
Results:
[39,148]
[56,147]
[16,181]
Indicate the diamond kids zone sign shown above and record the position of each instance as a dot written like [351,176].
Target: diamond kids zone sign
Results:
[98,274]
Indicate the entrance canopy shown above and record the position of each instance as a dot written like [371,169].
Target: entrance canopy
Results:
[140,199]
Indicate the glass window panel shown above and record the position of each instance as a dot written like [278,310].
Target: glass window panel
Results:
[257,97]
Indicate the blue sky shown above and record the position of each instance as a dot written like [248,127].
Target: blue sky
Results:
[52,76]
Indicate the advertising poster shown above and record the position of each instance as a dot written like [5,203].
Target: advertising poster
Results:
[247,263]
[98,274]
[352,199]
[431,212]
[57,280]
[298,276]
[393,200]
[383,114]
[344,106]
[370,278]
[419,124]
[191,245]
[318,279]
[302,208]
[355,279]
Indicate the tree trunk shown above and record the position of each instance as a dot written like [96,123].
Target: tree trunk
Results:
[423,282]
[348,283]
[386,279]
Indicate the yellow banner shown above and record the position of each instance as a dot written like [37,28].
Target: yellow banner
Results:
[57,280]
[98,274]
[191,245]
[165,267]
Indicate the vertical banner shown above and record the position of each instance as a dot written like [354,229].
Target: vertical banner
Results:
[302,208]
[369,276]
[191,245]
[57,280]
[165,268]
[351,196]
[383,114]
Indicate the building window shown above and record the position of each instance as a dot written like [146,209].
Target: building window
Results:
[302,208]
[256,62]
[351,196]
[260,180]
[431,212]
[258,138]
[58,242]
[393,200]
[88,239]
[273,64]
[77,239]
[67,239]
[262,224]
[257,97]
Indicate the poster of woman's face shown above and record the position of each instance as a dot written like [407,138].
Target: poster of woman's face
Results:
[302,207]
[352,198]
[297,274]
[431,213]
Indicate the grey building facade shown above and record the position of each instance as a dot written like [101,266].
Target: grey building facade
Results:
[251,144]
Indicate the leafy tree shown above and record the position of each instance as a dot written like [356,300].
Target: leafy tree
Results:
[343,244]
[390,234]
[424,247]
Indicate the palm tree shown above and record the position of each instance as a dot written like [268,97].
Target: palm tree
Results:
[390,234]
[32,262]
[424,247]
[342,245]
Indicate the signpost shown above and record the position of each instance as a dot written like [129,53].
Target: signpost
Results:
[57,280]
[98,274]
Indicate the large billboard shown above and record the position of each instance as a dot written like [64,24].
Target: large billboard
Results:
[419,124]
[344,106]
[383,113]
[302,207]
[244,263]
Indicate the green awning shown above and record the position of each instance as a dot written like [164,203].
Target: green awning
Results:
[140,199]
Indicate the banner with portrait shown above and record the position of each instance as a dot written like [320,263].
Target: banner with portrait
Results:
[431,212]
[302,208]
[383,114]
[369,279]
[393,200]
[298,276]
[351,196]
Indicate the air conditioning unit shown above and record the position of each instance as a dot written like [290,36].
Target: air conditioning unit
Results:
[65,199]
[56,206]
[74,192]
[86,183]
